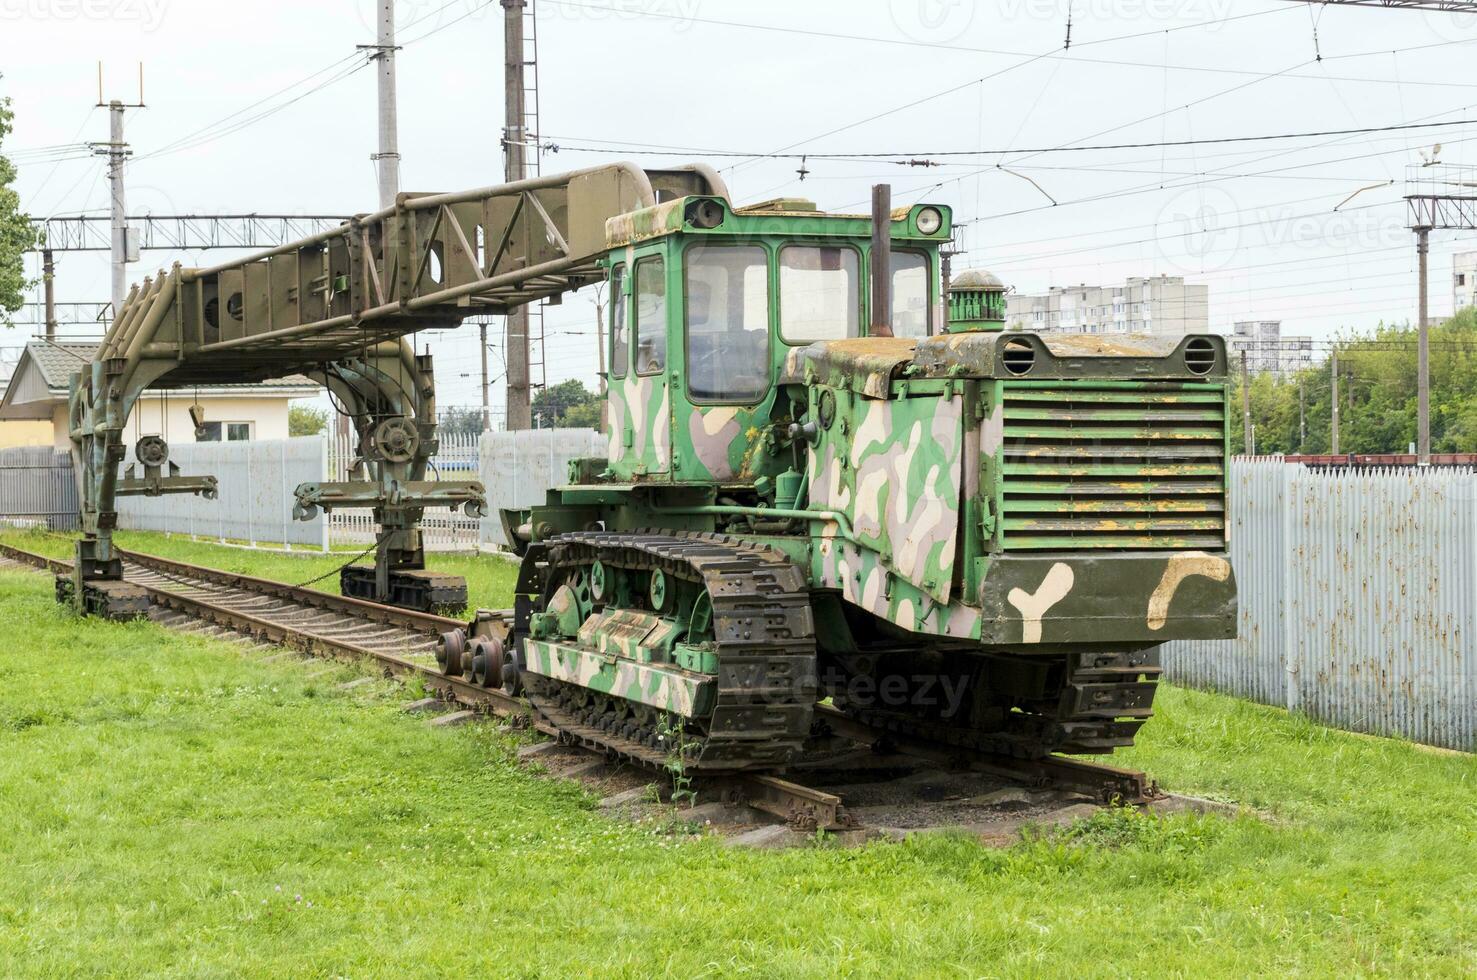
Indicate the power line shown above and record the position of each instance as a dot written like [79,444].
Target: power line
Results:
[913,156]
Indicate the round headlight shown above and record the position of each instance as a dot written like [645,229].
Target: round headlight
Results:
[930,221]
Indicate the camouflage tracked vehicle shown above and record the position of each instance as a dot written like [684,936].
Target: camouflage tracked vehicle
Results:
[819,486]
[830,474]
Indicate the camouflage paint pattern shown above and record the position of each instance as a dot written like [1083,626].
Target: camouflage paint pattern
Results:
[640,426]
[859,574]
[893,467]
[664,687]
[629,633]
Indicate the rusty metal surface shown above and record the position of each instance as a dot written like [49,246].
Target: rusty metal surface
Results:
[1359,599]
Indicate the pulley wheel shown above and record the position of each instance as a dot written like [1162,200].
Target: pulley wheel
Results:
[151,451]
[396,440]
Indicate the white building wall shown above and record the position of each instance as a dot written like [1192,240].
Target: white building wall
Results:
[156,415]
[1463,280]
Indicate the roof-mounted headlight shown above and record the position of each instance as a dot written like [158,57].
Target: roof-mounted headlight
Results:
[930,220]
[704,213]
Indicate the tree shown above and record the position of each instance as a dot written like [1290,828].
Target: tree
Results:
[567,405]
[305,420]
[17,235]
[1377,395]
[460,422]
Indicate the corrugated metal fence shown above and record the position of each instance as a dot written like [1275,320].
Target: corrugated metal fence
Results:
[1358,595]
[256,483]
[257,480]
[36,487]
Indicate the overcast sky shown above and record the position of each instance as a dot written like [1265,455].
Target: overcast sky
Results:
[232,126]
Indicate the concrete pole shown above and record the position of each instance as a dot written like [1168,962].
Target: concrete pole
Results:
[516,351]
[486,409]
[48,285]
[1423,366]
[1246,443]
[881,260]
[116,156]
[1334,435]
[388,157]
[1302,419]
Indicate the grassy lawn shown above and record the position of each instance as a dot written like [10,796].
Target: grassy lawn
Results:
[170,805]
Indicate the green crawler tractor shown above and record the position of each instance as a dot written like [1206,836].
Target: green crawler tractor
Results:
[948,529]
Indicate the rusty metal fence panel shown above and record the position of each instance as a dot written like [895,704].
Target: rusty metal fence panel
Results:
[37,488]
[1358,595]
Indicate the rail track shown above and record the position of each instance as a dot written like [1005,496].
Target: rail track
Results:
[404,643]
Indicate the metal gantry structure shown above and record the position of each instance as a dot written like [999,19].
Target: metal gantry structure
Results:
[184,232]
[1444,6]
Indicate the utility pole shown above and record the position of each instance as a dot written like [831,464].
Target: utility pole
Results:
[1334,435]
[117,153]
[48,285]
[516,346]
[1246,443]
[1423,356]
[124,246]
[387,160]
[1302,419]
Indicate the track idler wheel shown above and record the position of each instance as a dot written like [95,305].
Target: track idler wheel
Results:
[449,654]
[489,663]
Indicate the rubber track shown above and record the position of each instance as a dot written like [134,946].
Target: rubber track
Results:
[765,637]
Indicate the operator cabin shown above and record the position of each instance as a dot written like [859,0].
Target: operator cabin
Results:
[33,411]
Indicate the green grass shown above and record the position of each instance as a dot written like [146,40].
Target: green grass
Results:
[165,801]
[489,579]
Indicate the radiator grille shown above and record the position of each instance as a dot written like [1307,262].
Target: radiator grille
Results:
[1125,466]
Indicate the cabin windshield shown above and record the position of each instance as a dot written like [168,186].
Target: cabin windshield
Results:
[819,293]
[727,321]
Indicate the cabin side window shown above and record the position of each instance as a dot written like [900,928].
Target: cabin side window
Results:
[650,335]
[910,308]
[619,348]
